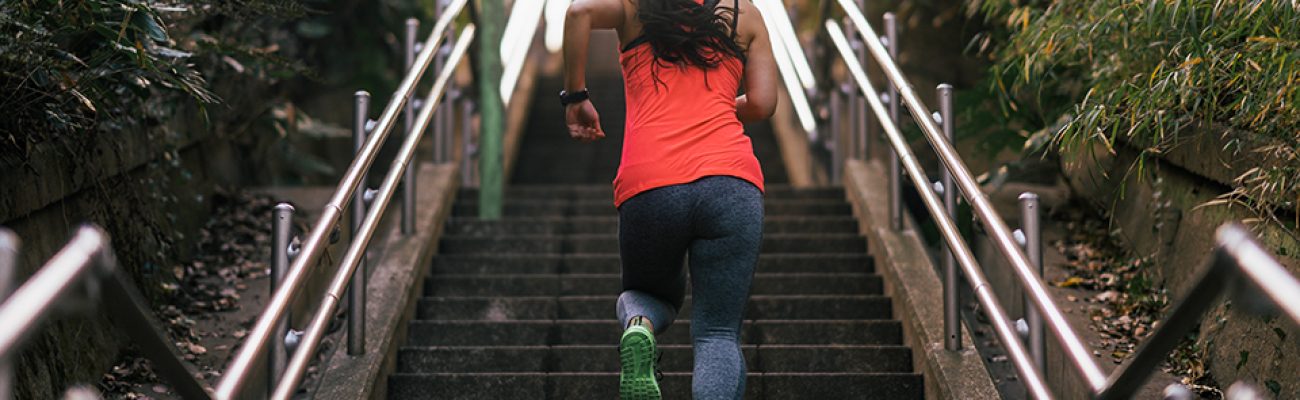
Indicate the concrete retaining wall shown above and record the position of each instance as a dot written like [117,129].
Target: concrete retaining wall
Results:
[1161,210]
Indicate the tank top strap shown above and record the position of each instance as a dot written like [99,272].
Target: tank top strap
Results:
[639,40]
[735,19]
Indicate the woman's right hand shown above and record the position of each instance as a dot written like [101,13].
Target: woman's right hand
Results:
[583,122]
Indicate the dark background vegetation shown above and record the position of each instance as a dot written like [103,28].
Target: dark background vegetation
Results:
[1043,84]
[1150,74]
[225,85]
[258,81]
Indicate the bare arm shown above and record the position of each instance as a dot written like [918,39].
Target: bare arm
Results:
[759,101]
[584,15]
[582,18]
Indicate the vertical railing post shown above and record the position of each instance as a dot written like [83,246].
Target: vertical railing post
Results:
[895,178]
[863,147]
[491,111]
[281,227]
[408,178]
[357,289]
[850,101]
[445,110]
[951,312]
[1032,228]
[467,139]
[8,274]
[435,68]
[833,137]
[856,101]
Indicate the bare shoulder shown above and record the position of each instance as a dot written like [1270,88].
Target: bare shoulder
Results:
[751,24]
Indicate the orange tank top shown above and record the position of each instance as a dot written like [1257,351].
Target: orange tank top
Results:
[682,127]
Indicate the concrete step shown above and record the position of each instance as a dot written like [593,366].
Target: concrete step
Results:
[604,385]
[496,308]
[538,207]
[609,225]
[605,192]
[606,331]
[610,284]
[610,264]
[775,243]
[675,358]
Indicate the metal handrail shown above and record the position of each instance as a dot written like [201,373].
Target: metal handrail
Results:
[1035,291]
[947,227]
[1238,261]
[782,29]
[85,270]
[556,12]
[516,40]
[1001,235]
[255,346]
[8,256]
[789,57]
[1240,267]
[315,331]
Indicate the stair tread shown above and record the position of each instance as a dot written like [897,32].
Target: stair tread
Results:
[676,358]
[614,236]
[612,298]
[585,385]
[821,307]
[604,331]
[827,333]
[764,283]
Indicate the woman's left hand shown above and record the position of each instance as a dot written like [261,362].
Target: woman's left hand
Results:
[583,122]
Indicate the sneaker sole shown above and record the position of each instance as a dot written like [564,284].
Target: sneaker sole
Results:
[637,353]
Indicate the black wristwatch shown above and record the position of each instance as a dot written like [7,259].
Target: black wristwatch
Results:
[567,98]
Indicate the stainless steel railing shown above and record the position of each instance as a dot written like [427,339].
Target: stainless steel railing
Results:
[348,268]
[271,322]
[84,275]
[795,71]
[516,40]
[947,227]
[1240,268]
[83,264]
[1239,263]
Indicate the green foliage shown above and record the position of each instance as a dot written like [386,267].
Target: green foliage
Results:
[1149,72]
[84,66]
[75,75]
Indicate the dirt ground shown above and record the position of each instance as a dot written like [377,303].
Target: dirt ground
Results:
[213,299]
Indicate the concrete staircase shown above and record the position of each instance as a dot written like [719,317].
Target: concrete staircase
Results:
[523,307]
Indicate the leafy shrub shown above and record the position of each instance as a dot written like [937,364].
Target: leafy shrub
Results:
[1148,73]
[74,68]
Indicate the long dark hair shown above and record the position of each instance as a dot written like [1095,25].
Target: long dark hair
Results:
[686,33]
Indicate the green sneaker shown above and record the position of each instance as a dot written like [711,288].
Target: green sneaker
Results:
[637,353]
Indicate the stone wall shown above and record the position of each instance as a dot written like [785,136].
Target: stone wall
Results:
[79,347]
[1162,210]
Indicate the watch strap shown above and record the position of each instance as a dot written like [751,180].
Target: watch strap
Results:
[567,98]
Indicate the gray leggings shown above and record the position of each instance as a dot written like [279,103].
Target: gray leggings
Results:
[718,221]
